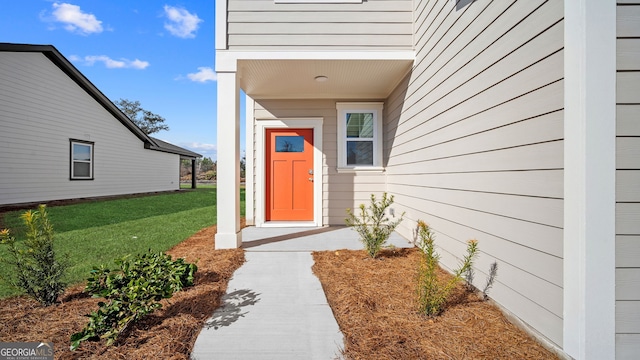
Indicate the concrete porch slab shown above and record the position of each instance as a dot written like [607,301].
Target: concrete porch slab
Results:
[308,239]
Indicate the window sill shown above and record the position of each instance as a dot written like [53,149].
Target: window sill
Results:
[367,169]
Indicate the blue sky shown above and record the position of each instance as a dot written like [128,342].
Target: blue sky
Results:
[159,53]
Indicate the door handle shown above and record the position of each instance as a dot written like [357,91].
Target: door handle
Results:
[310,171]
[311,179]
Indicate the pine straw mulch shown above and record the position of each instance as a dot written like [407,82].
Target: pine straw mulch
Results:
[374,302]
[168,333]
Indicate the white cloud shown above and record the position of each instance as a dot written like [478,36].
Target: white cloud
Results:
[206,150]
[75,20]
[196,146]
[113,64]
[203,75]
[181,23]
[139,64]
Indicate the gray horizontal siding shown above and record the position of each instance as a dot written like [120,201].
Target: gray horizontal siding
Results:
[627,120]
[474,145]
[628,19]
[265,25]
[628,180]
[627,346]
[627,251]
[41,110]
[339,190]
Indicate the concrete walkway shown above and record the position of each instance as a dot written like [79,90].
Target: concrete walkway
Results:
[275,307]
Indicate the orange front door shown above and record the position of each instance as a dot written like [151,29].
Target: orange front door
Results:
[289,182]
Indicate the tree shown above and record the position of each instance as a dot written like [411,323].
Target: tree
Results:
[243,167]
[146,120]
[207,164]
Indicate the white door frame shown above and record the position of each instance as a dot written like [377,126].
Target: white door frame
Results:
[261,191]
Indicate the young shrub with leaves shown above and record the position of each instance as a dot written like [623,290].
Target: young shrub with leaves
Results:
[131,292]
[372,224]
[432,293]
[37,270]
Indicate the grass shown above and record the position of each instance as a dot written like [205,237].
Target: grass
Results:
[96,232]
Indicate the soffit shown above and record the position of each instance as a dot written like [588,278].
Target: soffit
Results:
[295,79]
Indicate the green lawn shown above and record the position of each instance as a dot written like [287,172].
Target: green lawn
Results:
[97,232]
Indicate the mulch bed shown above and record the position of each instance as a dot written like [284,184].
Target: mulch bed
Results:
[374,302]
[168,333]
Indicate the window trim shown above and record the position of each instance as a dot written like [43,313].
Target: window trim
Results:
[72,161]
[359,107]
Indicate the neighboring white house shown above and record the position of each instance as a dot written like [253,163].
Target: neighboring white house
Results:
[61,138]
[513,122]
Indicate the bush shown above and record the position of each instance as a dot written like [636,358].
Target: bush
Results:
[432,293]
[37,271]
[210,175]
[372,224]
[131,292]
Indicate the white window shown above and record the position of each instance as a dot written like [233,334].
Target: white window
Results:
[359,136]
[81,160]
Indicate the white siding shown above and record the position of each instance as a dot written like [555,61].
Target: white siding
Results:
[41,110]
[628,181]
[373,24]
[474,145]
[339,191]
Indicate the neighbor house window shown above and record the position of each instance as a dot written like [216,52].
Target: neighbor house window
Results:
[81,160]
[359,136]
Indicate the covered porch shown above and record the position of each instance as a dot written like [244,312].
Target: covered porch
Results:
[289,76]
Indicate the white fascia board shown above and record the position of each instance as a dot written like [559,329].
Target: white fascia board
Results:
[226,61]
[221,24]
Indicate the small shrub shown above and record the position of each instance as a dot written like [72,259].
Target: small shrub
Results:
[37,271]
[432,293]
[131,292]
[372,224]
[210,175]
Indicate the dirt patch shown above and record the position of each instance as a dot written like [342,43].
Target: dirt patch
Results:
[374,302]
[168,333]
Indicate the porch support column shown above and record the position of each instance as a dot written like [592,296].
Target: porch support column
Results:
[228,169]
[193,173]
[589,178]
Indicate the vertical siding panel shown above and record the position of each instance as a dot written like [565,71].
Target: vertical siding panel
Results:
[478,119]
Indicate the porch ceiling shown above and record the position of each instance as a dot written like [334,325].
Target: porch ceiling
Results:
[346,79]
